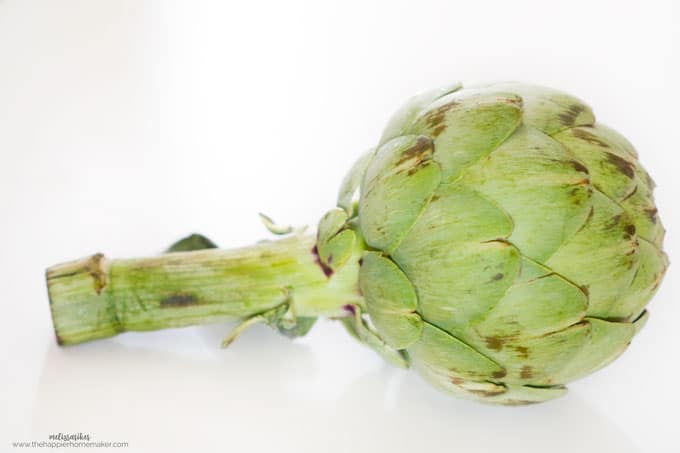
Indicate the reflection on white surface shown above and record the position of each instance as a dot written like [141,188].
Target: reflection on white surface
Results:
[252,398]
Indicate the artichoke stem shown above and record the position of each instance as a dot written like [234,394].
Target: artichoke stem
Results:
[96,297]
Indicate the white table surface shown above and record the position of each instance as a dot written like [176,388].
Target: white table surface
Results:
[127,124]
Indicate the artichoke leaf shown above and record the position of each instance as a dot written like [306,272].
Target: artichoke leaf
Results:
[549,110]
[274,227]
[350,184]
[457,284]
[540,186]
[440,350]
[467,127]
[330,224]
[401,120]
[390,300]
[535,360]
[281,318]
[518,395]
[639,204]
[335,252]
[398,184]
[360,330]
[607,341]
[648,275]
[535,307]
[455,384]
[190,243]
[611,170]
[602,256]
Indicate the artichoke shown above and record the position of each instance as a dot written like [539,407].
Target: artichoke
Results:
[497,240]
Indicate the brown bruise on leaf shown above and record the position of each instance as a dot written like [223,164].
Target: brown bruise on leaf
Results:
[522,351]
[583,134]
[527,372]
[417,151]
[436,132]
[494,343]
[651,213]
[397,187]
[499,374]
[578,166]
[624,166]
[457,380]
[613,222]
[568,117]
[435,118]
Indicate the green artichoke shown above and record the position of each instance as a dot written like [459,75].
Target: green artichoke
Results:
[502,243]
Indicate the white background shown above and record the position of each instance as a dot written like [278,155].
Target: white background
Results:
[127,124]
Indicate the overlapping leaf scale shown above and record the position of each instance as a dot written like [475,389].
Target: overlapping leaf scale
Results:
[560,356]
[441,352]
[544,189]
[602,256]
[616,172]
[391,300]
[648,275]
[539,334]
[451,245]
[447,278]
[468,125]
[549,110]
[398,183]
[640,206]
[451,382]
[487,391]
[526,394]
[607,340]
[402,119]
[618,141]
[612,170]
[517,327]
[538,303]
[536,360]
[454,258]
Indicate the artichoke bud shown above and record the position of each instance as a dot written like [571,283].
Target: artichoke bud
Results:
[511,243]
[497,239]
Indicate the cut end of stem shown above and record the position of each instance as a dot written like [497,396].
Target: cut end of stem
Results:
[79,301]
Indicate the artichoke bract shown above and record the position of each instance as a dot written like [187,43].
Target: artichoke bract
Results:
[497,239]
